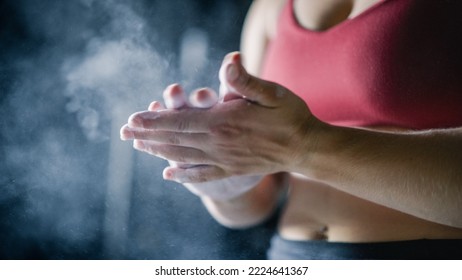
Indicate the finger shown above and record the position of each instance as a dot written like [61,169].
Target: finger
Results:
[195,174]
[225,87]
[165,137]
[126,133]
[174,97]
[172,153]
[236,80]
[185,120]
[203,98]
[155,105]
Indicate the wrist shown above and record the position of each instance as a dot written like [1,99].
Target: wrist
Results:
[321,143]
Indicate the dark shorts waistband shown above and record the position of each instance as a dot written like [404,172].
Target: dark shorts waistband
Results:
[428,249]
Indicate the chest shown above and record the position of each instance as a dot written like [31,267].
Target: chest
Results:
[320,15]
[397,64]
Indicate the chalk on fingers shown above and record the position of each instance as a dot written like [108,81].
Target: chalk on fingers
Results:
[155,106]
[203,98]
[174,97]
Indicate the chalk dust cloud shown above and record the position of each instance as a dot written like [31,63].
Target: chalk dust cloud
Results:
[70,74]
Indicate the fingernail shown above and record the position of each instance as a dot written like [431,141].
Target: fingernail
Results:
[232,72]
[167,174]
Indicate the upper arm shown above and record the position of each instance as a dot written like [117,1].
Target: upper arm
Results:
[259,27]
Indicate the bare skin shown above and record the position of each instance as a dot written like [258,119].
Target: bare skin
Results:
[345,184]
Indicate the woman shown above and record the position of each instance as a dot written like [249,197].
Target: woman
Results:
[365,136]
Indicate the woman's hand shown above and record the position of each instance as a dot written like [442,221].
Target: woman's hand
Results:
[224,189]
[263,132]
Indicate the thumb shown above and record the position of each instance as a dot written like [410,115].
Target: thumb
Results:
[235,80]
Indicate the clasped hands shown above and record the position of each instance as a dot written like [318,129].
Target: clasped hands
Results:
[221,147]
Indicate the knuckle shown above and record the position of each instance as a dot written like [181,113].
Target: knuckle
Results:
[150,150]
[226,130]
[182,125]
[198,177]
[181,158]
[246,81]
[206,173]
[173,139]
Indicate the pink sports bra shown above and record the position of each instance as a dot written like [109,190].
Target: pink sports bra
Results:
[399,63]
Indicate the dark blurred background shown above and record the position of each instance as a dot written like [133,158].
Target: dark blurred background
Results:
[71,72]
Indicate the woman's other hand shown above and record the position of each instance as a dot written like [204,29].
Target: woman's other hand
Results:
[264,131]
[224,189]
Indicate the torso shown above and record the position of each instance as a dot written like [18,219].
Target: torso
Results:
[317,211]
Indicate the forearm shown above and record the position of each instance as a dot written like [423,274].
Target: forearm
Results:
[250,208]
[417,173]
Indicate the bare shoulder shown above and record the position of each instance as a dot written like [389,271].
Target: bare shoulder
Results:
[259,27]
[269,11]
